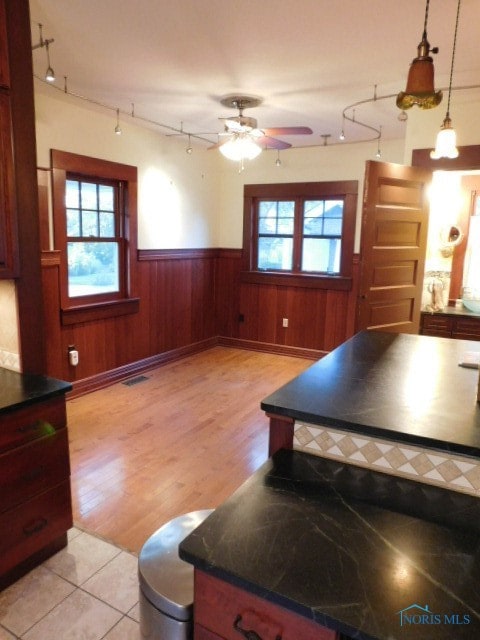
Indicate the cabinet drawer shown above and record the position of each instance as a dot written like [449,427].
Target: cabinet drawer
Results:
[32,422]
[28,528]
[437,325]
[467,328]
[33,468]
[219,606]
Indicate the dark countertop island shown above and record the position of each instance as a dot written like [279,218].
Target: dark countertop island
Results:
[20,390]
[355,550]
[400,387]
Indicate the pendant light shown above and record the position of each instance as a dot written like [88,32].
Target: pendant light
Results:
[420,82]
[45,42]
[446,145]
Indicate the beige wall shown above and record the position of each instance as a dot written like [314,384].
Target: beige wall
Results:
[9,344]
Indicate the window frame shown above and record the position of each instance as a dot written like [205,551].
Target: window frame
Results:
[67,166]
[299,192]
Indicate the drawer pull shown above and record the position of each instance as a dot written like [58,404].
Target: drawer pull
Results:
[35,527]
[34,474]
[248,634]
[40,425]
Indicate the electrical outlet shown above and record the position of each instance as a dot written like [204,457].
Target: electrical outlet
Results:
[285,322]
[72,356]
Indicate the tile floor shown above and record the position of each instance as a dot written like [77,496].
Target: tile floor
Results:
[87,591]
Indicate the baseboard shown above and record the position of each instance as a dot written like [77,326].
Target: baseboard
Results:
[267,347]
[107,378]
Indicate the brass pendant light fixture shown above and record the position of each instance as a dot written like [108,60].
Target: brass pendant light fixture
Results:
[420,89]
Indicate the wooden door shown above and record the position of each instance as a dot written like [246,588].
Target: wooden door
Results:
[393,247]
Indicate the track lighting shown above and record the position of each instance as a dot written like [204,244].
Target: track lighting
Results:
[420,82]
[379,152]
[189,148]
[118,129]
[49,74]
[278,162]
[446,145]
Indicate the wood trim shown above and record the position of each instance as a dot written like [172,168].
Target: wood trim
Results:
[267,347]
[468,158]
[335,283]
[187,254]
[101,311]
[50,258]
[176,254]
[29,284]
[76,163]
[107,378]
[280,435]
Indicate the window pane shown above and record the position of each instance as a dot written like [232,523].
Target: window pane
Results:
[321,254]
[332,227]
[276,217]
[92,268]
[275,253]
[323,217]
[105,197]
[72,194]
[107,224]
[89,195]
[73,222]
[89,224]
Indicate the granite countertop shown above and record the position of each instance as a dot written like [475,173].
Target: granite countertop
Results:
[402,387]
[19,389]
[453,311]
[355,550]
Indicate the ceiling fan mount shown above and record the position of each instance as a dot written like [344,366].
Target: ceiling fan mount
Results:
[244,126]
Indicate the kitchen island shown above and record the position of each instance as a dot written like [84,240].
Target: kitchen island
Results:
[341,550]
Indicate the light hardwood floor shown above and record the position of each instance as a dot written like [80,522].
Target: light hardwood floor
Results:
[184,439]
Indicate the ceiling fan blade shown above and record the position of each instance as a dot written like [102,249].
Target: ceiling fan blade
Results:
[288,131]
[266,142]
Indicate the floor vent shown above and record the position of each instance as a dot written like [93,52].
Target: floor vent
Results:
[136,380]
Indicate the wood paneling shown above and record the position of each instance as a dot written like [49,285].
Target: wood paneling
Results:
[185,304]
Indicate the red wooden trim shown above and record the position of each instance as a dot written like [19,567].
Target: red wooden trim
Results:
[101,311]
[187,254]
[303,189]
[334,283]
[106,378]
[76,163]
[468,158]
[280,435]
[176,254]
[268,347]
[50,259]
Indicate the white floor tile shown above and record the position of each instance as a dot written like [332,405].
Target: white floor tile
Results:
[117,582]
[6,635]
[83,557]
[79,617]
[126,629]
[30,598]
[135,612]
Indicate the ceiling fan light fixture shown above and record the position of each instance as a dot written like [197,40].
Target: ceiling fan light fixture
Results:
[240,147]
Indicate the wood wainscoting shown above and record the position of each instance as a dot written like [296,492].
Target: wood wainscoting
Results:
[190,300]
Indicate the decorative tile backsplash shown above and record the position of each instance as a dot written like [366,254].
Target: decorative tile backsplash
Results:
[450,471]
[9,360]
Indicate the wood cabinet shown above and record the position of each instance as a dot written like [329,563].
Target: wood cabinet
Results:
[35,499]
[8,235]
[225,612]
[444,325]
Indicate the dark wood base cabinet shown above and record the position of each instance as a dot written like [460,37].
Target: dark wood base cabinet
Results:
[225,612]
[35,499]
[445,325]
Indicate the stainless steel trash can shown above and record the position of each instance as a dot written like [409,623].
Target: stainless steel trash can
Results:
[166,582]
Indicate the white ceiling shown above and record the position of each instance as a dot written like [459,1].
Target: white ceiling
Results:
[308,59]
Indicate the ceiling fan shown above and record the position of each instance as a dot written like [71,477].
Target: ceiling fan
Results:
[242,131]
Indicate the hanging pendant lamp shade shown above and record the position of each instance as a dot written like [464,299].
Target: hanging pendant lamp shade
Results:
[420,88]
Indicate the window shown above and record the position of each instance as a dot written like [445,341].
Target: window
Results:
[95,228]
[304,229]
